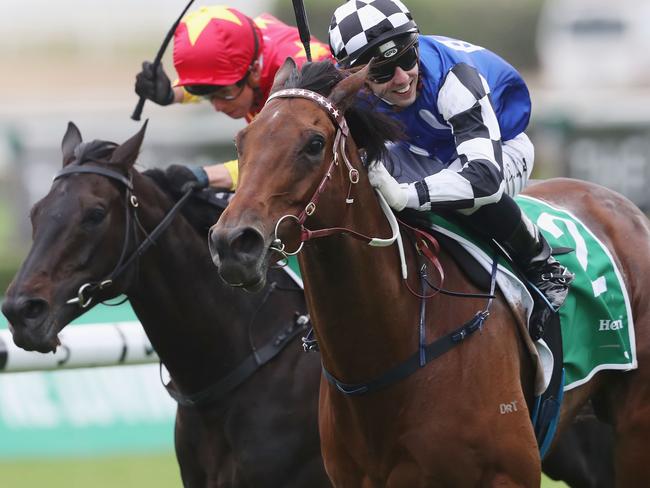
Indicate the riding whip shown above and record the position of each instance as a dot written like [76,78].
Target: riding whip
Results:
[303,25]
[138,108]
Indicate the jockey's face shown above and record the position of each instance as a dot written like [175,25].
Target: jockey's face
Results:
[400,90]
[241,97]
[238,107]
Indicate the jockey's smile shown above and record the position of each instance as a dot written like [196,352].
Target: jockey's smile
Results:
[400,90]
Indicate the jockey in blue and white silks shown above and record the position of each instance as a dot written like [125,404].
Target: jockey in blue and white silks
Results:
[464,110]
[454,75]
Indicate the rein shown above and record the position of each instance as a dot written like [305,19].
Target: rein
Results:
[85,294]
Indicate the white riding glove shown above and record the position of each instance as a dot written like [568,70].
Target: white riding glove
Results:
[397,195]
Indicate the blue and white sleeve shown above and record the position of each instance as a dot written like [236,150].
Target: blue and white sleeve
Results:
[464,102]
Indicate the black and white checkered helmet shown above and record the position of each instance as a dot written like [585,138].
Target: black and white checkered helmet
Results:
[360,25]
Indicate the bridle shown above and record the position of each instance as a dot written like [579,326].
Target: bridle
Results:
[339,151]
[219,390]
[87,291]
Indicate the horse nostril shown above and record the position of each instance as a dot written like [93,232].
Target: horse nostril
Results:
[248,242]
[245,244]
[213,246]
[33,308]
[20,310]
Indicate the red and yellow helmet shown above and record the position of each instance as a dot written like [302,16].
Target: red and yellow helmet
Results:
[215,46]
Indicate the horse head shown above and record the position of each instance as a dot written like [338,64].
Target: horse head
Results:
[297,164]
[83,216]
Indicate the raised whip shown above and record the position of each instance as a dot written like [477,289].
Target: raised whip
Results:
[138,108]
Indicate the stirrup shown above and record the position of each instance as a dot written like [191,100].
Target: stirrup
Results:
[549,296]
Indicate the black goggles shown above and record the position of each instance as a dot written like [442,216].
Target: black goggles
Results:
[227,92]
[383,71]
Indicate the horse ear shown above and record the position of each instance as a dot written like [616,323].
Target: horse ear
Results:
[345,91]
[71,139]
[125,154]
[283,73]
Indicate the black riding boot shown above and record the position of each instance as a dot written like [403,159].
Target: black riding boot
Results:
[530,250]
[504,222]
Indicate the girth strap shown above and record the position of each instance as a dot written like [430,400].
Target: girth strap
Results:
[412,364]
[424,355]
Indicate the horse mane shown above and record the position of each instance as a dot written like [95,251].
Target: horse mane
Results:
[370,129]
[201,211]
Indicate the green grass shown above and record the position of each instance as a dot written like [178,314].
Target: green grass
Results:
[135,471]
[549,483]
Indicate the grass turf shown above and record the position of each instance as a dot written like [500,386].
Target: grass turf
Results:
[135,471]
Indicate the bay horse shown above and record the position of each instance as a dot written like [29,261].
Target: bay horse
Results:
[233,428]
[303,187]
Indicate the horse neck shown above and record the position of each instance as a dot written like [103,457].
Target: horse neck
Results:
[358,297]
[194,321]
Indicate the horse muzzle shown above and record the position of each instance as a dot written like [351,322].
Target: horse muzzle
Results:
[31,323]
[239,254]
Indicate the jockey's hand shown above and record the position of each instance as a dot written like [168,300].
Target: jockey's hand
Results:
[397,195]
[154,86]
[183,178]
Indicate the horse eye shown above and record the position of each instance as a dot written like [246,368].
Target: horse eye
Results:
[94,216]
[315,146]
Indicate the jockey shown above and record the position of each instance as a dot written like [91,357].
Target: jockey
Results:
[464,111]
[229,59]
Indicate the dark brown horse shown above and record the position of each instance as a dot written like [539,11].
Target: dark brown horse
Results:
[441,425]
[262,432]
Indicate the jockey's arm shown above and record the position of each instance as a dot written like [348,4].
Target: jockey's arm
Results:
[475,178]
[223,175]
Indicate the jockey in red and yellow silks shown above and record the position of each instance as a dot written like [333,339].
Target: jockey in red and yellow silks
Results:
[229,59]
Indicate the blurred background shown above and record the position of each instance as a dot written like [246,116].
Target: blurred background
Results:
[587,63]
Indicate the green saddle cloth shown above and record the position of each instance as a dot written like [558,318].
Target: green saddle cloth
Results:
[596,319]
[597,322]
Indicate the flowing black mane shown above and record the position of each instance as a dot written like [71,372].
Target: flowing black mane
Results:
[370,129]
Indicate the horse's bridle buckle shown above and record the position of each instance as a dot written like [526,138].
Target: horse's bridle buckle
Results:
[80,299]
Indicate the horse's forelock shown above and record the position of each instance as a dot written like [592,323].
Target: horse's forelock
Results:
[320,77]
[370,128]
[96,150]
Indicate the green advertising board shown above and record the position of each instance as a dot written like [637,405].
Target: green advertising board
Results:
[86,412]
